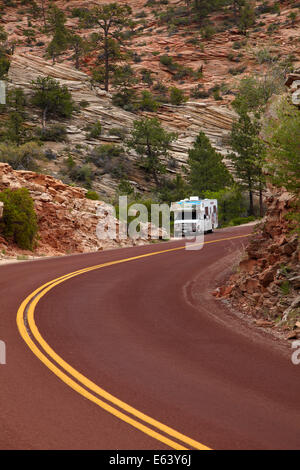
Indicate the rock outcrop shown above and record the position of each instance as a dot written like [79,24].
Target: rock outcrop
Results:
[67,220]
[266,284]
[186,120]
[293,83]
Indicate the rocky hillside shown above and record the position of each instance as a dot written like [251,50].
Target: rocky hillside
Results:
[210,66]
[186,120]
[222,56]
[266,285]
[67,220]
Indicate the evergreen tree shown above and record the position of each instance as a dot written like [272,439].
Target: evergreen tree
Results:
[247,17]
[151,142]
[173,190]
[204,7]
[52,98]
[19,222]
[284,152]
[60,35]
[4,60]
[123,81]
[79,47]
[207,172]
[237,6]
[110,19]
[249,156]
[15,129]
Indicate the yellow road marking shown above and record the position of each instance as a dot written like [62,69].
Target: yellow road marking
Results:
[32,301]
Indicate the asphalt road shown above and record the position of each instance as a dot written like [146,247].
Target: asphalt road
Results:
[137,354]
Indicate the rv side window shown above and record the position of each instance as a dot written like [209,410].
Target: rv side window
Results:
[194,213]
[178,215]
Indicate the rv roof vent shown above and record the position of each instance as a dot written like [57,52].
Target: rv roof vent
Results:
[194,198]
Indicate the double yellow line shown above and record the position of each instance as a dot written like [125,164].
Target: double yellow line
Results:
[81,384]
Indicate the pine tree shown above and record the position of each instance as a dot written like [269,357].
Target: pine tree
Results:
[52,98]
[151,142]
[249,156]
[60,35]
[4,60]
[110,19]
[247,17]
[15,129]
[79,46]
[207,172]
[284,148]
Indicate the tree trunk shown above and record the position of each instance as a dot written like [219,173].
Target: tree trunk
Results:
[106,53]
[44,119]
[77,64]
[251,205]
[43,12]
[261,204]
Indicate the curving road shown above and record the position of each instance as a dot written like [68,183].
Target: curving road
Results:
[131,351]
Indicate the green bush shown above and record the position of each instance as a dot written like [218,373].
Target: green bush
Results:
[208,32]
[19,222]
[148,102]
[232,206]
[177,96]
[166,60]
[102,152]
[94,131]
[126,98]
[118,132]
[55,133]
[21,158]
[83,174]
[242,220]
[92,195]
[110,159]
[4,66]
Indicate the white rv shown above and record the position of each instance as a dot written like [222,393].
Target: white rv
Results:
[194,215]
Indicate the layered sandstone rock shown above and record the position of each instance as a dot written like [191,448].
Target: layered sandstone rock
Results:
[187,119]
[266,284]
[293,83]
[67,220]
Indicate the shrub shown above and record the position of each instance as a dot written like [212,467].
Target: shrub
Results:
[21,158]
[94,131]
[92,195]
[177,96]
[242,220]
[166,60]
[208,32]
[84,104]
[148,102]
[126,99]
[125,188]
[4,66]
[55,133]
[110,158]
[198,93]
[237,70]
[83,174]
[118,132]
[101,153]
[19,222]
